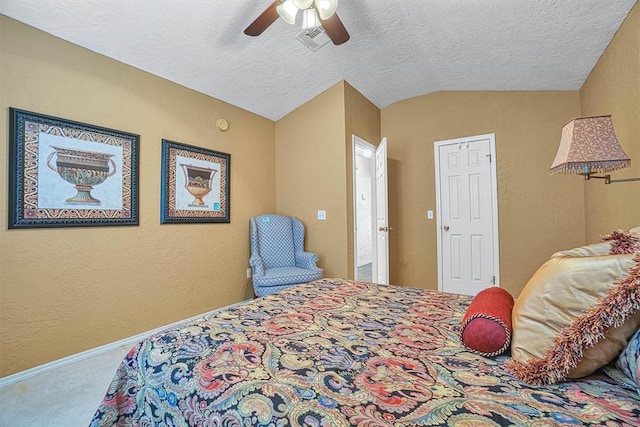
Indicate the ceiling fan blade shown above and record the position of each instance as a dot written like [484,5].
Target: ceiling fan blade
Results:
[263,21]
[335,29]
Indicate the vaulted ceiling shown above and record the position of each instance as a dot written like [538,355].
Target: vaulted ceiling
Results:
[398,48]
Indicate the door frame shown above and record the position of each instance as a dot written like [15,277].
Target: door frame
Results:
[356,141]
[494,195]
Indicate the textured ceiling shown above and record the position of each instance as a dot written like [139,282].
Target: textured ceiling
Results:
[398,48]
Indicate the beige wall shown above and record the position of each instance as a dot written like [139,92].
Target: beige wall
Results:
[64,290]
[310,171]
[362,120]
[538,213]
[314,170]
[613,87]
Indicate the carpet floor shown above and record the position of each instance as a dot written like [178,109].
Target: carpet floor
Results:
[364,272]
[66,396]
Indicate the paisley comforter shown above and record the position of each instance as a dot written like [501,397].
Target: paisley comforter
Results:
[339,353]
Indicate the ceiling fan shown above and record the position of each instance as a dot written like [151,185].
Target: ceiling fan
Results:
[315,13]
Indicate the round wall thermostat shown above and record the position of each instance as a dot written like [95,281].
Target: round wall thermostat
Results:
[222,124]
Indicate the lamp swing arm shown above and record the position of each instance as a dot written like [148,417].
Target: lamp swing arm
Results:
[607,178]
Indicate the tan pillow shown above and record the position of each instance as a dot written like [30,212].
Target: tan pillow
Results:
[623,242]
[618,242]
[594,249]
[613,342]
[566,308]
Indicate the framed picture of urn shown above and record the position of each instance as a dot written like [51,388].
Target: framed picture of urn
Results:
[64,173]
[195,184]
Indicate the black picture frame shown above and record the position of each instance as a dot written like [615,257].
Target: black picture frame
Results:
[195,186]
[98,164]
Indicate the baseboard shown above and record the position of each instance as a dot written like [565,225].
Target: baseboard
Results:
[23,375]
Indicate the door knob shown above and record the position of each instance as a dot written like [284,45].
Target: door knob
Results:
[446,228]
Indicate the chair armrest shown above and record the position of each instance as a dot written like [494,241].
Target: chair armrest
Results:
[306,260]
[257,266]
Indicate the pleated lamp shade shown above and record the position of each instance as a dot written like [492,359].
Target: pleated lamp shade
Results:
[588,145]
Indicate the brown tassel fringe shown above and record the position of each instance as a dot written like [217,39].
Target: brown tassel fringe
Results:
[621,302]
[622,242]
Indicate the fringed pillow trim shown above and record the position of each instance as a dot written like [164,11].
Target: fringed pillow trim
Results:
[621,302]
[622,242]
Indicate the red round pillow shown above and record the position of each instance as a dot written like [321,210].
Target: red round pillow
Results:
[486,326]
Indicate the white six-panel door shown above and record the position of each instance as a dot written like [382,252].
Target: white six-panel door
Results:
[381,214]
[466,194]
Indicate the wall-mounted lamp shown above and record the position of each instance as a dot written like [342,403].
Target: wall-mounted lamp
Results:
[589,145]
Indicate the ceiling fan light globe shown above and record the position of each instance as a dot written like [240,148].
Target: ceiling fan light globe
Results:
[310,19]
[326,8]
[303,4]
[288,11]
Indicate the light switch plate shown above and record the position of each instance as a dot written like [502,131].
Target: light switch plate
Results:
[322,215]
[429,214]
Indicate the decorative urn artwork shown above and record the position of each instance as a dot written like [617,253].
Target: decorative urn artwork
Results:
[84,169]
[198,182]
[195,186]
[46,151]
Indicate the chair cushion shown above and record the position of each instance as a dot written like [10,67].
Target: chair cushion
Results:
[268,290]
[275,240]
[286,275]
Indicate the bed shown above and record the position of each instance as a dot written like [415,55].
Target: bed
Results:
[338,352]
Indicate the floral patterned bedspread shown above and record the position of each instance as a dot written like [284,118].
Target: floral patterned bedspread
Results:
[339,353]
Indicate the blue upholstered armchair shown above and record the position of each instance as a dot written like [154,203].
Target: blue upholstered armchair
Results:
[278,259]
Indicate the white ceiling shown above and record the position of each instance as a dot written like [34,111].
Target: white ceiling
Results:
[398,48]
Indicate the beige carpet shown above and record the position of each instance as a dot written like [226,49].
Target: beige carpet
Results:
[69,395]
[66,396]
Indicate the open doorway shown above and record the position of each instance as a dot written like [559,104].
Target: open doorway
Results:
[363,209]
